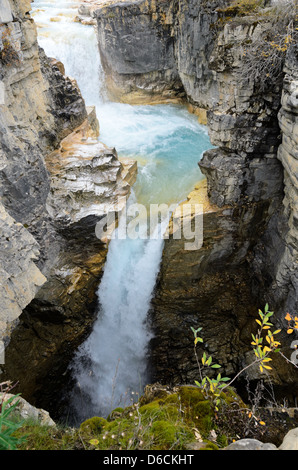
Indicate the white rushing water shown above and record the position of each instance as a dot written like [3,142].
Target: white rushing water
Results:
[167,142]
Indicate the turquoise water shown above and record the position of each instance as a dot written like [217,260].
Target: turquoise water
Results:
[110,367]
[166,140]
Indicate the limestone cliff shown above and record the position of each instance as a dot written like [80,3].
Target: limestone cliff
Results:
[136,45]
[249,255]
[56,180]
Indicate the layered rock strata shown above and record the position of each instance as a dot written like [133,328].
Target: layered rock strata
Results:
[136,46]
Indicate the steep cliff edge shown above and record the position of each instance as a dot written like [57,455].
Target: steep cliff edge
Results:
[55,182]
[249,253]
[136,45]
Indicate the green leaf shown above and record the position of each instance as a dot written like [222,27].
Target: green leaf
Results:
[215,366]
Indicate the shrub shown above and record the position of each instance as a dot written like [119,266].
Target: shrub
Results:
[264,57]
[8,54]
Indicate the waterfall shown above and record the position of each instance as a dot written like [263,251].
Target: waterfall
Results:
[117,347]
[110,367]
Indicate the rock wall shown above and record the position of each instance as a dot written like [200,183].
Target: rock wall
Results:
[287,153]
[248,256]
[136,45]
[56,180]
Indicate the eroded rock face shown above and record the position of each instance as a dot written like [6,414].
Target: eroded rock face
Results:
[287,276]
[209,288]
[20,277]
[136,45]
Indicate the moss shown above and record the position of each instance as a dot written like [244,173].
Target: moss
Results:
[190,395]
[210,446]
[222,440]
[164,434]
[196,408]
[151,409]
[173,398]
[164,423]
[93,425]
[170,435]
[204,415]
[116,413]
[40,437]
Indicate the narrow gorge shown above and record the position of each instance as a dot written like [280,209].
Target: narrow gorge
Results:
[144,102]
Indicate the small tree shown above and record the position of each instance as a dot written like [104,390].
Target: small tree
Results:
[264,344]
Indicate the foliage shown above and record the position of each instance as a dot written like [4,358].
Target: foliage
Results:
[264,343]
[263,57]
[8,424]
[8,54]
[207,384]
[242,7]
[271,36]
[292,323]
[174,420]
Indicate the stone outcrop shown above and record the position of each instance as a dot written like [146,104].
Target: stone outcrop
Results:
[136,46]
[26,411]
[20,277]
[56,179]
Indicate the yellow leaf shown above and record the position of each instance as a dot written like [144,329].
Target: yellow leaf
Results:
[258,321]
[94,442]
[266,327]
[288,317]
[268,367]
[289,331]
[267,359]
[262,423]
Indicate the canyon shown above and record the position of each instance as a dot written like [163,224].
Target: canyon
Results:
[57,178]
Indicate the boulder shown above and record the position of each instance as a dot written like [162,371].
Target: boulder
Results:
[290,441]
